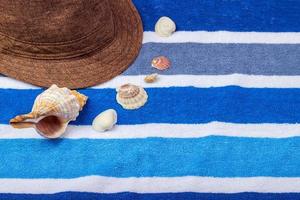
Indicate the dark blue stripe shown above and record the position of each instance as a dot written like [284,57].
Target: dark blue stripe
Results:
[177,105]
[162,196]
[220,59]
[163,157]
[213,15]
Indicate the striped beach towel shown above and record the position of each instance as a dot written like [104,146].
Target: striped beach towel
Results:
[221,123]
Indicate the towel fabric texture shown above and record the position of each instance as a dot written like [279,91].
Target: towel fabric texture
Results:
[221,123]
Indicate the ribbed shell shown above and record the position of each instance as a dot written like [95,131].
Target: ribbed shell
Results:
[161,63]
[59,102]
[131,97]
[52,111]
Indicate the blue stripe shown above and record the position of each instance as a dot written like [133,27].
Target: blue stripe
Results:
[246,15]
[162,196]
[177,105]
[163,157]
[220,59]
[217,59]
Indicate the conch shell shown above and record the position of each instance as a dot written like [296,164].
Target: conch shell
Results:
[52,111]
[165,27]
[131,97]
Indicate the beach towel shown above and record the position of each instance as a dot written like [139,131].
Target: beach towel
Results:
[220,123]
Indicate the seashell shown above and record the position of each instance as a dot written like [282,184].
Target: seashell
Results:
[161,63]
[165,27]
[151,78]
[131,97]
[52,111]
[105,120]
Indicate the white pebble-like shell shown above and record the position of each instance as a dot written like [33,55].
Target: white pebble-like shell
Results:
[105,120]
[131,97]
[165,27]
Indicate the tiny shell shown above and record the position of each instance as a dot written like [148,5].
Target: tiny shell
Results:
[161,63]
[151,78]
[165,27]
[52,111]
[105,120]
[131,97]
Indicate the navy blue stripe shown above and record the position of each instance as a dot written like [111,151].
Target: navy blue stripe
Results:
[213,15]
[219,59]
[177,105]
[162,196]
[163,157]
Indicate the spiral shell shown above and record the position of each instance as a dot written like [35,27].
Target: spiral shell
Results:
[161,63]
[151,78]
[131,97]
[52,111]
[165,27]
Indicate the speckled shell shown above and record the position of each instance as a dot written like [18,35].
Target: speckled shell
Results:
[131,97]
[165,27]
[151,78]
[52,111]
[161,63]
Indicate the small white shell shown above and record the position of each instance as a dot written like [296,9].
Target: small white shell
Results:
[165,27]
[52,111]
[131,97]
[151,78]
[105,120]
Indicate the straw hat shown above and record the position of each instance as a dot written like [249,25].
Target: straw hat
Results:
[71,43]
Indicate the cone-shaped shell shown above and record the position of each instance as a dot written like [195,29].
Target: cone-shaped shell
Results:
[151,78]
[52,111]
[131,97]
[161,63]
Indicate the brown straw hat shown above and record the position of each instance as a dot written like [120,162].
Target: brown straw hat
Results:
[71,43]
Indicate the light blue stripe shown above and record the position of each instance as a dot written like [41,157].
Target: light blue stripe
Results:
[210,156]
[220,59]
[246,15]
[177,105]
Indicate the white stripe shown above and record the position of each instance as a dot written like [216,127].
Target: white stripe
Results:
[167,131]
[225,37]
[201,81]
[98,184]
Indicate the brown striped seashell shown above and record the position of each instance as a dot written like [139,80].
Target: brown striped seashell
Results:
[151,78]
[161,63]
[131,97]
[52,111]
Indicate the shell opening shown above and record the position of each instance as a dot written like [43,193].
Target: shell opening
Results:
[50,126]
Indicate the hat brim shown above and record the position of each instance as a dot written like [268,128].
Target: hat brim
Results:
[90,70]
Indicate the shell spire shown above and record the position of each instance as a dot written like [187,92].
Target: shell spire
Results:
[52,111]
[80,98]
